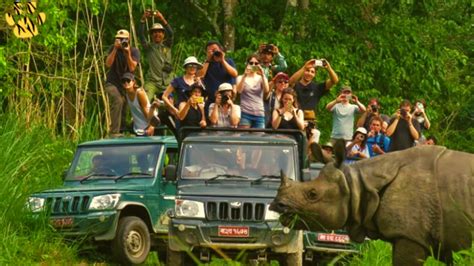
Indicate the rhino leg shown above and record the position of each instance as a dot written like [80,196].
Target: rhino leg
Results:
[406,253]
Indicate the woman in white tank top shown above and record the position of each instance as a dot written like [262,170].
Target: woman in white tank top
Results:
[142,111]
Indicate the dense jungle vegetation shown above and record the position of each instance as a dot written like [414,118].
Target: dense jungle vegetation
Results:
[52,85]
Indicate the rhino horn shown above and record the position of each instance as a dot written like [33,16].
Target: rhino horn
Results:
[340,152]
[318,155]
[284,179]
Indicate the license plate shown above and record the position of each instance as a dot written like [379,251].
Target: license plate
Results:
[62,222]
[234,231]
[333,238]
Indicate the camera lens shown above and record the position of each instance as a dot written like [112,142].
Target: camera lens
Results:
[374,108]
[124,43]
[225,98]
[216,53]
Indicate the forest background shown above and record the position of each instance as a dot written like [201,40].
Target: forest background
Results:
[52,85]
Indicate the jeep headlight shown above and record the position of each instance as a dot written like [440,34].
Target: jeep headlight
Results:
[35,204]
[189,208]
[104,202]
[271,215]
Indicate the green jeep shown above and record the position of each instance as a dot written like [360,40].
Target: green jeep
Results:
[226,180]
[114,193]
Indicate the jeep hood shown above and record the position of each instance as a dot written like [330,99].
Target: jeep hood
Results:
[232,189]
[110,186]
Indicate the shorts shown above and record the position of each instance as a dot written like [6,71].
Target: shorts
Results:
[252,120]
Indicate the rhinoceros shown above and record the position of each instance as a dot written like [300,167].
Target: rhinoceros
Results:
[421,200]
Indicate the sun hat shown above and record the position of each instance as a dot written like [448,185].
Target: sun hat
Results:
[361,130]
[122,34]
[225,87]
[327,145]
[156,27]
[192,60]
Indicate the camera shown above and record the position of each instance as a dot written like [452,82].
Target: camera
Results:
[124,43]
[225,98]
[374,108]
[403,112]
[217,53]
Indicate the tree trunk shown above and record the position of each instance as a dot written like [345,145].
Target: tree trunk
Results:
[303,6]
[229,29]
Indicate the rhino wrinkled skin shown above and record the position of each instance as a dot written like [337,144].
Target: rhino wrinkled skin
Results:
[421,200]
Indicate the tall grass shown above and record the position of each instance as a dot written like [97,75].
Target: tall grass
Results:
[32,159]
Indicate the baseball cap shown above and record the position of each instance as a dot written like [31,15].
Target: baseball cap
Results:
[128,75]
[346,88]
[225,87]
[156,26]
[361,130]
[122,34]
[280,75]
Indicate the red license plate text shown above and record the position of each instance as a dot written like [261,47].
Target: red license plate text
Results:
[333,238]
[62,222]
[234,231]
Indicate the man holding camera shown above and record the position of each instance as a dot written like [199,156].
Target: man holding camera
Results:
[269,53]
[158,52]
[373,110]
[121,59]
[343,113]
[403,129]
[223,112]
[216,70]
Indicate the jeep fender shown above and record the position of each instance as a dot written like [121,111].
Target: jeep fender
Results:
[127,208]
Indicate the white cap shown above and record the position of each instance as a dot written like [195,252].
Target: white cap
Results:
[362,130]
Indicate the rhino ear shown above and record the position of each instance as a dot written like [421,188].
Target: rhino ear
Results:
[340,152]
[318,155]
[284,179]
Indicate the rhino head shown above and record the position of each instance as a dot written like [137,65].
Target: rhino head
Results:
[320,204]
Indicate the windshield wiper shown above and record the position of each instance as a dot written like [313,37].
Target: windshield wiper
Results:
[258,180]
[226,176]
[131,174]
[94,174]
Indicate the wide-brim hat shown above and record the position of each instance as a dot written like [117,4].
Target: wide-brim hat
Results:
[225,87]
[156,27]
[122,34]
[192,60]
[196,86]
[327,145]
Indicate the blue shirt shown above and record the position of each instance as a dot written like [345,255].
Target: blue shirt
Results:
[215,76]
[382,140]
[180,87]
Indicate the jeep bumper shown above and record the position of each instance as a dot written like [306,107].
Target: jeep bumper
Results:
[94,224]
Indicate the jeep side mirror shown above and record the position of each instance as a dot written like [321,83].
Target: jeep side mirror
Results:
[170,172]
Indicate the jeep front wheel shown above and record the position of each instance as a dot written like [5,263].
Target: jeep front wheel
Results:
[132,241]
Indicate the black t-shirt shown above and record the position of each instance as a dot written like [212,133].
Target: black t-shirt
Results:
[310,95]
[401,137]
[192,118]
[120,66]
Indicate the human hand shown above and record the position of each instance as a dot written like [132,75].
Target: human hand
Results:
[275,49]
[340,98]
[376,148]
[260,70]
[408,116]
[371,134]
[355,98]
[202,123]
[325,63]
[117,44]
[158,14]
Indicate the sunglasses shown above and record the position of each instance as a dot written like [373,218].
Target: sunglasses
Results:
[191,65]
[126,80]
[347,92]
[283,81]
[254,63]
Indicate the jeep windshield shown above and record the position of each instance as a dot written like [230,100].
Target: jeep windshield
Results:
[114,162]
[237,161]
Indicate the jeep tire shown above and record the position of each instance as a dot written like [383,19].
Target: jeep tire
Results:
[132,241]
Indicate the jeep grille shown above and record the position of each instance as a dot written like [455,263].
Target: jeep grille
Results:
[68,204]
[245,212]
